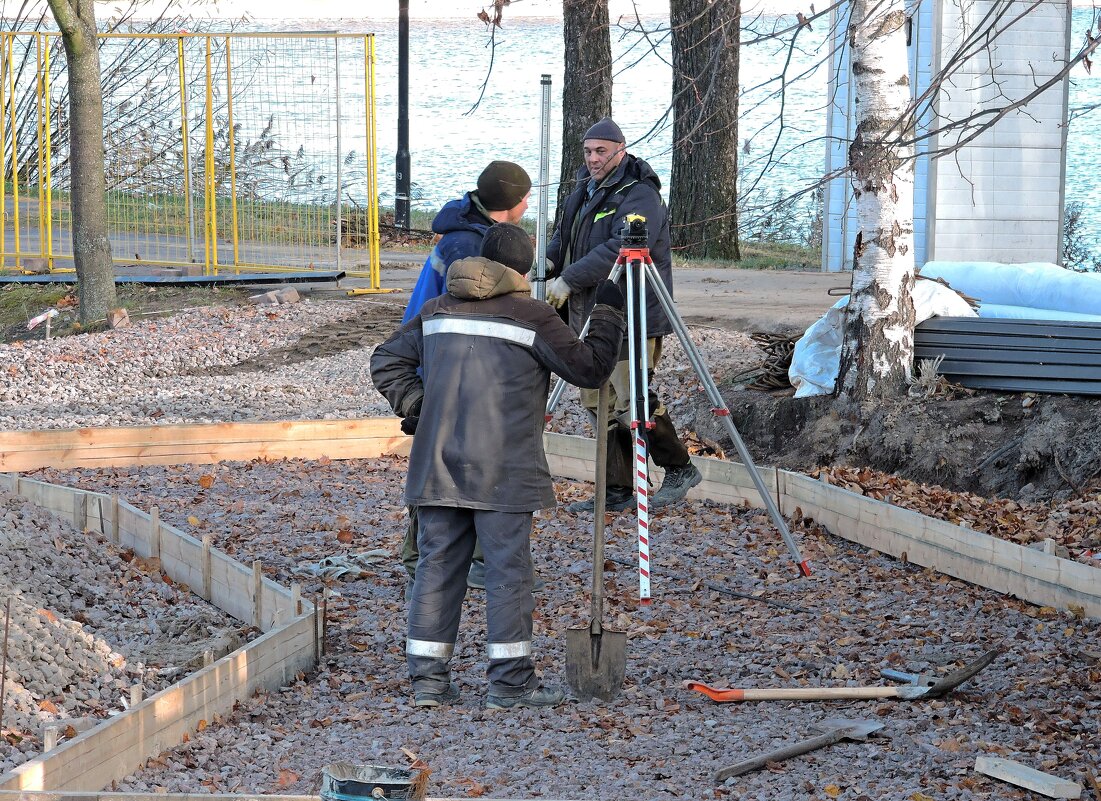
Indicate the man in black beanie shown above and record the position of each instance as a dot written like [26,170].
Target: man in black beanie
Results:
[474,368]
[501,196]
[610,185]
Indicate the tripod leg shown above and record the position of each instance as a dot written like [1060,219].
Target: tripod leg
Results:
[560,384]
[637,365]
[723,412]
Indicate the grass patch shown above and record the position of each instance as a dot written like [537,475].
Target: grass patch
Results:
[20,302]
[762,256]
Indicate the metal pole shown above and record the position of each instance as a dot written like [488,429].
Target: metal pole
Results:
[339,155]
[401,195]
[540,287]
[722,411]
[185,135]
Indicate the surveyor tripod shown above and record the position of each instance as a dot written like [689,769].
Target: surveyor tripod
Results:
[634,260]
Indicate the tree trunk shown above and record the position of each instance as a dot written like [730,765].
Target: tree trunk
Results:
[703,191]
[586,84]
[878,348]
[91,247]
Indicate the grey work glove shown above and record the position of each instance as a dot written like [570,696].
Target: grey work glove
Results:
[558,292]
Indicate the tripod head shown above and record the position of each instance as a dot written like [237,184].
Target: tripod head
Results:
[635,234]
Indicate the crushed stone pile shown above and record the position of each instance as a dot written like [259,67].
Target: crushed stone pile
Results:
[88,622]
[858,613]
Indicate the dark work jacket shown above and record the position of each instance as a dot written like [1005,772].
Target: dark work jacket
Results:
[585,259]
[486,350]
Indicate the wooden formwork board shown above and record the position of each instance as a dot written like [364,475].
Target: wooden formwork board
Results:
[200,443]
[120,745]
[1026,573]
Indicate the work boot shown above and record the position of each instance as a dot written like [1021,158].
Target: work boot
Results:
[538,698]
[476,578]
[615,500]
[678,480]
[442,698]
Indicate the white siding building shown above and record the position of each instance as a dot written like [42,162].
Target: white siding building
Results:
[1000,196]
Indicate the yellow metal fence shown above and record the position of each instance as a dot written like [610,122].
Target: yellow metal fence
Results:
[229,152]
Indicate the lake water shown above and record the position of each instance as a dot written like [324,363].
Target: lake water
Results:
[450,143]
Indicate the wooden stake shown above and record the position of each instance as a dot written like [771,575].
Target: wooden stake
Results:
[80,511]
[207,591]
[4,661]
[155,532]
[116,536]
[257,596]
[208,658]
[324,619]
[137,691]
[296,599]
[49,739]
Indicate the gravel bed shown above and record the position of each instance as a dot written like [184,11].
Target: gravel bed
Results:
[167,371]
[1037,703]
[88,622]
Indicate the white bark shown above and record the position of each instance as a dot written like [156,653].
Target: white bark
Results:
[878,349]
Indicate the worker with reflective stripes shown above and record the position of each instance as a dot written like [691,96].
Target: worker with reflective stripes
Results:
[477,467]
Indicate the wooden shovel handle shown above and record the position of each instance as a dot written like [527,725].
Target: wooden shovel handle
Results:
[779,755]
[791,693]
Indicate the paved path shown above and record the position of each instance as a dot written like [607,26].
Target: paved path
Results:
[745,300]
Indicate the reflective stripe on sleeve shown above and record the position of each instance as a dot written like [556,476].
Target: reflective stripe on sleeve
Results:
[509,650]
[435,650]
[479,328]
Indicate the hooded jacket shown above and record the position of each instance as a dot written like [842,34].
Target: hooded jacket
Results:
[462,225]
[486,350]
[586,245]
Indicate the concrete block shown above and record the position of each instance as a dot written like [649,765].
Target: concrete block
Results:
[264,299]
[288,295]
[36,266]
[118,318]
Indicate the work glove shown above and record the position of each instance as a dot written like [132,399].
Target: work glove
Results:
[409,422]
[558,292]
[609,293]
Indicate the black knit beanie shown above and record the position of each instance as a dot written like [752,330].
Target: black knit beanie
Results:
[509,245]
[605,129]
[502,185]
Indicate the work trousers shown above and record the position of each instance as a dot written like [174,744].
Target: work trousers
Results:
[410,553]
[446,541]
[662,443]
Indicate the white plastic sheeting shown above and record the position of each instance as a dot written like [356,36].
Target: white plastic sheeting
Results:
[816,360]
[1036,290]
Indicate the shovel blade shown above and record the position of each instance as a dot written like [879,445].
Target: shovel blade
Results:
[595,663]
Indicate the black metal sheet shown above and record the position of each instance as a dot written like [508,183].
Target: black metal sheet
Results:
[1062,372]
[966,340]
[1029,385]
[991,325]
[1016,356]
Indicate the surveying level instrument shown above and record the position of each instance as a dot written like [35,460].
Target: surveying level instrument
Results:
[634,260]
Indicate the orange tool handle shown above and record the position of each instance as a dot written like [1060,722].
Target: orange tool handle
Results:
[790,694]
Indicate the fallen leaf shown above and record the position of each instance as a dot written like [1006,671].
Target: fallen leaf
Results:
[832,790]
[206,481]
[50,616]
[46,705]
[287,778]
[344,536]
[201,725]
[69,732]
[193,520]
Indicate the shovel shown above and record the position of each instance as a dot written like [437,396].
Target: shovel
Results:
[596,657]
[833,731]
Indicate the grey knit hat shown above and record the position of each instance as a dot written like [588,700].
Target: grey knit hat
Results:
[509,245]
[502,185]
[605,129]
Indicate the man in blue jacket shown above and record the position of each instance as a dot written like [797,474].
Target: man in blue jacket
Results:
[610,185]
[501,196]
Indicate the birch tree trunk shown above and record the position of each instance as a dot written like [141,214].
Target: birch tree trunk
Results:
[91,248]
[878,348]
[704,187]
[586,83]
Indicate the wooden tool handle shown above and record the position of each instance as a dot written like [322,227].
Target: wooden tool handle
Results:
[792,693]
[779,755]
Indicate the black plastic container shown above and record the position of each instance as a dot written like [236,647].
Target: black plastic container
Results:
[343,781]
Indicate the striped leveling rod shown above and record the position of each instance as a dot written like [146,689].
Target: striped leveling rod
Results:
[642,496]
